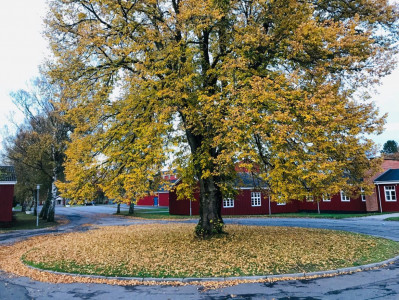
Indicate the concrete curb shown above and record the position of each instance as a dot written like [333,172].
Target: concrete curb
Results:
[279,277]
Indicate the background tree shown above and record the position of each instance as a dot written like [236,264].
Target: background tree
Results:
[390,147]
[37,149]
[30,164]
[279,85]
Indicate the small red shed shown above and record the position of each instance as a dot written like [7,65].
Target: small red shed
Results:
[7,182]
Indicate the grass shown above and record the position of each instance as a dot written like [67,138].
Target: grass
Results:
[163,213]
[392,219]
[24,221]
[322,215]
[154,213]
[171,250]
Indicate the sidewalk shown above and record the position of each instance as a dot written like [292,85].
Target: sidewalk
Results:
[379,217]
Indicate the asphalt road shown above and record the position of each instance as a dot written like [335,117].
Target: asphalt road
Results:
[376,284]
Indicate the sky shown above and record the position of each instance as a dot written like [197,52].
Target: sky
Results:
[23,48]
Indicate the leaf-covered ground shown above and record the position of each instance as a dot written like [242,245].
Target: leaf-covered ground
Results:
[163,213]
[171,250]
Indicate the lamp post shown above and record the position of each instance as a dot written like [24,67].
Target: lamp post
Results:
[37,202]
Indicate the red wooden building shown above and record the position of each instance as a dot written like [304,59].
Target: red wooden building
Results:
[251,200]
[161,197]
[7,182]
[387,190]
[373,201]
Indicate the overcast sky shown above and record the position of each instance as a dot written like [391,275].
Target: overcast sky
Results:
[23,49]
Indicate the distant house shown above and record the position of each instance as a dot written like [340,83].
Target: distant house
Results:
[161,197]
[7,182]
[387,190]
[372,201]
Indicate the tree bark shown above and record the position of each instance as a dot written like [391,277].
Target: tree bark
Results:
[51,208]
[131,208]
[45,207]
[210,222]
[118,208]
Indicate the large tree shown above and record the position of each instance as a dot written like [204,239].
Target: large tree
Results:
[37,148]
[279,85]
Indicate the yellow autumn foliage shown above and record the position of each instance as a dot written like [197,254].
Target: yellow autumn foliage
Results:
[198,86]
[171,250]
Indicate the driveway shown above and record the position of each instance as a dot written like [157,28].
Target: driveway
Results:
[376,284]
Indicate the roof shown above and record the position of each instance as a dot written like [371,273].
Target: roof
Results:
[247,180]
[163,187]
[7,175]
[244,181]
[390,176]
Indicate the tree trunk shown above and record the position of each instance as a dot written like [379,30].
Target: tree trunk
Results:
[36,203]
[210,222]
[118,208]
[45,207]
[23,206]
[210,211]
[131,208]
[51,209]
[30,205]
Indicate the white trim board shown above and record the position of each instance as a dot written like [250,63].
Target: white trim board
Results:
[8,182]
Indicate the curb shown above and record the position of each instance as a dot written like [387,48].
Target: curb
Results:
[279,277]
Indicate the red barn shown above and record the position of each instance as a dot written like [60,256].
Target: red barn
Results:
[7,182]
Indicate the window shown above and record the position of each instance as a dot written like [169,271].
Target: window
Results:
[362,195]
[228,202]
[256,199]
[344,197]
[280,200]
[390,193]
[309,198]
[326,197]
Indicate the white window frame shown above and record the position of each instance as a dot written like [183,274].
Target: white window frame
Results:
[344,197]
[256,199]
[309,198]
[326,197]
[278,202]
[390,193]
[228,202]
[362,195]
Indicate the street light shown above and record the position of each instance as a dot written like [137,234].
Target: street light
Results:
[37,202]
